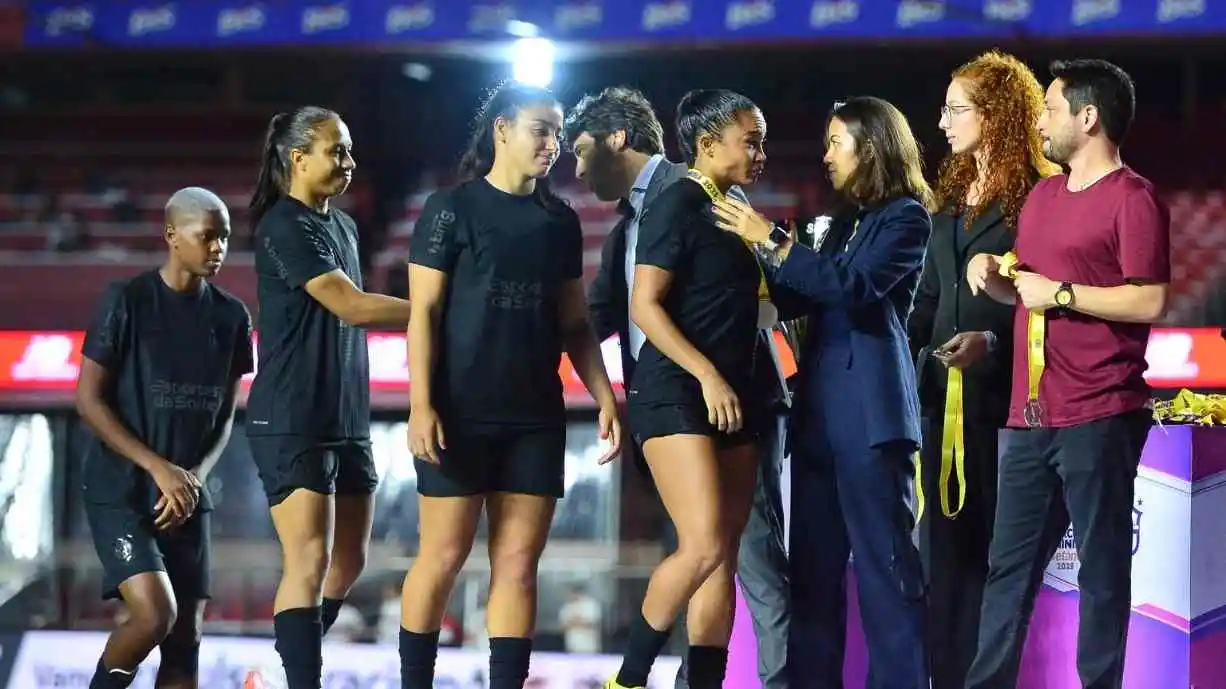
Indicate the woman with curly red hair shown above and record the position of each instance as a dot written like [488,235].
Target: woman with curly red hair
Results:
[962,342]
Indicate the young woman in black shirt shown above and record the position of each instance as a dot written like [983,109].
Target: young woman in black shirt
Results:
[308,413]
[495,275]
[698,292]
[160,370]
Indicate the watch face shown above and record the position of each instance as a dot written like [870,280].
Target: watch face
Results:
[1064,297]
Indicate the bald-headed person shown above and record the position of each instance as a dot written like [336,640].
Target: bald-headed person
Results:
[159,376]
[197,229]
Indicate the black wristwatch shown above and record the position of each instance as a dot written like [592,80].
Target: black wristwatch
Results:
[777,238]
[1064,295]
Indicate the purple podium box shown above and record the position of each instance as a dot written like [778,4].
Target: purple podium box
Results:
[1176,637]
[1177,634]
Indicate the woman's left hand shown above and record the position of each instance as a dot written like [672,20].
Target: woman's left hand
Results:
[739,218]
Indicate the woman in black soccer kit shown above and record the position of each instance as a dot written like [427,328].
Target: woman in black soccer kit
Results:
[160,370]
[308,414]
[496,282]
[697,296]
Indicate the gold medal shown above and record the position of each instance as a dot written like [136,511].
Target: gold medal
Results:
[1036,355]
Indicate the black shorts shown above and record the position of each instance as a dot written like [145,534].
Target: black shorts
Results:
[527,461]
[289,462]
[128,544]
[648,419]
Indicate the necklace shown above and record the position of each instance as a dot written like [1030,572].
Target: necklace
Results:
[1089,183]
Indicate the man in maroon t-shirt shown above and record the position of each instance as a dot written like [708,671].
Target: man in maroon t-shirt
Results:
[1093,255]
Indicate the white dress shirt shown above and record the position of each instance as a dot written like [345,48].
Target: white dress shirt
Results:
[638,193]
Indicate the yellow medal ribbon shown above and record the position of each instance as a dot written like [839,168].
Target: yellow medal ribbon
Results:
[953,451]
[953,443]
[717,195]
[1036,356]
[953,430]
[1192,408]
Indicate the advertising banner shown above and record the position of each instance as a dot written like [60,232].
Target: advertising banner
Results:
[44,364]
[214,23]
[67,659]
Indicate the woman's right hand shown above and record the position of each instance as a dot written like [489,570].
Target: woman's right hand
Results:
[180,490]
[963,349]
[723,407]
[426,434]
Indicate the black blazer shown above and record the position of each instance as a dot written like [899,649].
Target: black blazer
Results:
[944,307]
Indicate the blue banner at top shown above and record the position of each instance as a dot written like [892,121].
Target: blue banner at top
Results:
[217,23]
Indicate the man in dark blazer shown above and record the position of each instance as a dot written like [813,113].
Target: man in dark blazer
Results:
[619,150]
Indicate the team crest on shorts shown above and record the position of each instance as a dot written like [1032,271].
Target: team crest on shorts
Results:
[123,548]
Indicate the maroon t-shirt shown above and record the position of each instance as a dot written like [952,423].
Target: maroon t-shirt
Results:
[1114,232]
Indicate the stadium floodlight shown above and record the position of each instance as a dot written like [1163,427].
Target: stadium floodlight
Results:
[532,61]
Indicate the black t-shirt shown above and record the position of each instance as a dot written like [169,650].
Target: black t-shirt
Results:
[713,298]
[173,358]
[314,373]
[500,339]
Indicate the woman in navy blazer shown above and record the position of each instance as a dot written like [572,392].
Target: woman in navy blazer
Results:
[855,424]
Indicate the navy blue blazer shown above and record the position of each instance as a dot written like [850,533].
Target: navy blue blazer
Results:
[856,355]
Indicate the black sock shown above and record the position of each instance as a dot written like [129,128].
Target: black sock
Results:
[329,611]
[642,648]
[111,679]
[300,645]
[509,660]
[417,655]
[707,666]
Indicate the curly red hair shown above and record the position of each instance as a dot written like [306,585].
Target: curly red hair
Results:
[1009,98]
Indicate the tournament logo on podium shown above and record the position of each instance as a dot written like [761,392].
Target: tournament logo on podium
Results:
[1136,527]
[1065,564]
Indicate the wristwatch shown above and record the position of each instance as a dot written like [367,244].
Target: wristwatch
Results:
[1064,295]
[991,339]
[777,237]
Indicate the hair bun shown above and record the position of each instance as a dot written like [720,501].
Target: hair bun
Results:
[279,122]
[694,100]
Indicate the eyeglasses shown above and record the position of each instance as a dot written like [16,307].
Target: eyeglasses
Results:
[951,110]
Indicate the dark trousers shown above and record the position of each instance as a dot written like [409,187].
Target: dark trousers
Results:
[1047,477]
[954,550]
[762,571]
[849,497]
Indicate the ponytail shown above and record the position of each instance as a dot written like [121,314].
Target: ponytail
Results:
[478,158]
[506,100]
[286,131]
[272,181]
